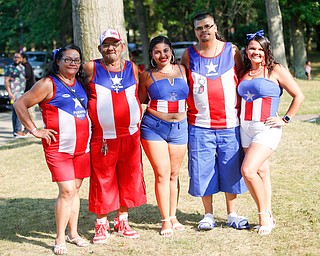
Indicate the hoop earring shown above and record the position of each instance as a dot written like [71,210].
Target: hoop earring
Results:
[172,59]
[152,64]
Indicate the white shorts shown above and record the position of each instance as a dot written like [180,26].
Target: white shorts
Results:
[258,132]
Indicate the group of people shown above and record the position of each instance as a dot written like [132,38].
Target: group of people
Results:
[92,114]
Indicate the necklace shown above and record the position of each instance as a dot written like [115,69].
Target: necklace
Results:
[70,81]
[167,73]
[116,81]
[202,79]
[255,74]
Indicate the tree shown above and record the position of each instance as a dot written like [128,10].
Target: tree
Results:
[306,16]
[276,30]
[90,18]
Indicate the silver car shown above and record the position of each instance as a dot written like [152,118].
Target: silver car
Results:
[179,48]
[40,62]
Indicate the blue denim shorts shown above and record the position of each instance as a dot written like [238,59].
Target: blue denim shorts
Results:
[156,129]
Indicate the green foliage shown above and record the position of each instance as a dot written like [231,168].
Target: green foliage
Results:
[35,24]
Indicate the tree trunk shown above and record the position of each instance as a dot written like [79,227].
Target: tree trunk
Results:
[143,29]
[90,18]
[276,31]
[299,50]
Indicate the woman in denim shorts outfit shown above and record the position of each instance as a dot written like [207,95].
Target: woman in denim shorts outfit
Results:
[164,126]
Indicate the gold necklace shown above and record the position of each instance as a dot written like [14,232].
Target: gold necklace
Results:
[255,74]
[116,81]
[167,73]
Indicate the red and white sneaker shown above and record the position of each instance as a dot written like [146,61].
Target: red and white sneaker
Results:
[122,228]
[102,233]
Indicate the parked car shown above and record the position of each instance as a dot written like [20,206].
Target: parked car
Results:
[40,62]
[179,48]
[4,97]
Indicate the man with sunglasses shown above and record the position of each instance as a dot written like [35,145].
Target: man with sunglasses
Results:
[116,182]
[214,149]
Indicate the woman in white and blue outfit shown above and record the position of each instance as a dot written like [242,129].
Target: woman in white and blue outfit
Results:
[261,128]
[164,126]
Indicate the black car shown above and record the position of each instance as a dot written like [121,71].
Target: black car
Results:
[4,97]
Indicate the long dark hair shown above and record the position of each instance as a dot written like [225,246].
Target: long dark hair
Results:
[81,76]
[156,40]
[266,46]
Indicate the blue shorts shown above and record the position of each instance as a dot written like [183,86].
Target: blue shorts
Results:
[215,158]
[153,128]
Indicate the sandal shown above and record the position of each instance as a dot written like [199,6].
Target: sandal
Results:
[177,225]
[166,232]
[78,241]
[207,223]
[60,249]
[266,230]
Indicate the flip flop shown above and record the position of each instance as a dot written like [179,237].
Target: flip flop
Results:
[60,249]
[78,241]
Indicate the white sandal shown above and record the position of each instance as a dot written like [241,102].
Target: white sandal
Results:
[266,230]
[177,225]
[166,232]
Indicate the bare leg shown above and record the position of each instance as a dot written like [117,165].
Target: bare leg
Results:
[177,153]
[63,207]
[231,202]
[158,155]
[255,156]
[74,216]
[207,204]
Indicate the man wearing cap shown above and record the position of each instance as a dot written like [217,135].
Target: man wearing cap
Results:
[117,181]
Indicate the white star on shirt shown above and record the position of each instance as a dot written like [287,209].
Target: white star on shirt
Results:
[211,67]
[116,80]
[249,96]
[76,103]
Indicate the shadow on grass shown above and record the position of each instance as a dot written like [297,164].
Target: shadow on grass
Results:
[32,220]
[17,143]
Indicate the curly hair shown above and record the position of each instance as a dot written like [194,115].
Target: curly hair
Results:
[266,46]
[81,76]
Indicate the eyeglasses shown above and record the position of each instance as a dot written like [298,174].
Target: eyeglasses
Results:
[69,61]
[115,45]
[205,27]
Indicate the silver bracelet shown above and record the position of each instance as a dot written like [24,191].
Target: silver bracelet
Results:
[33,130]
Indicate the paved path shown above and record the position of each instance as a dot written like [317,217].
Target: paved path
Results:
[6,124]
[6,134]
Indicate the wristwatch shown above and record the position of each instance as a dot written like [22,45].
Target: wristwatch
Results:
[286,119]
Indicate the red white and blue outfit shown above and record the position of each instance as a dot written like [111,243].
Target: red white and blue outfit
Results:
[260,100]
[166,97]
[115,111]
[214,148]
[68,158]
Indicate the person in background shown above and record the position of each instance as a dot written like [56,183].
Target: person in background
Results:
[30,81]
[307,69]
[214,149]
[164,126]
[15,84]
[117,180]
[62,99]
[260,89]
